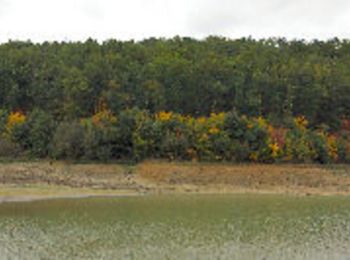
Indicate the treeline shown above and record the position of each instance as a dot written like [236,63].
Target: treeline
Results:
[50,91]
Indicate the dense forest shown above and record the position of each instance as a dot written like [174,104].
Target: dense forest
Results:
[181,98]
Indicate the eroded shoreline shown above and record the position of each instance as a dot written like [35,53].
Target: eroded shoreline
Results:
[27,181]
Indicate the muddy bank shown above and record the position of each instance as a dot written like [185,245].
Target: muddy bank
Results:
[58,179]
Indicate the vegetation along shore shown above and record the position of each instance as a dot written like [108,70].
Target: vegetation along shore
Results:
[216,99]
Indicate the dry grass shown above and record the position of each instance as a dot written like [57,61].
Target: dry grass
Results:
[254,177]
[98,176]
[61,178]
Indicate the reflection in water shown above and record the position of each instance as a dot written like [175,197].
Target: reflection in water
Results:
[178,227]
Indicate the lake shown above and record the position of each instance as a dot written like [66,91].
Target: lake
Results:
[178,227]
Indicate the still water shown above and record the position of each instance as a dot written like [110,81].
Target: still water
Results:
[177,227]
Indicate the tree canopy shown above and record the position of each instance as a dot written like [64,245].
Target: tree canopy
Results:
[274,78]
[64,82]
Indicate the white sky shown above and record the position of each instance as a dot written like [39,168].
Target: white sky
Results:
[71,20]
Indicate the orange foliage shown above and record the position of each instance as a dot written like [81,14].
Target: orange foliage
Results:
[103,116]
[15,118]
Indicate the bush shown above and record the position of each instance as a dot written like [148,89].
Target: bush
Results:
[135,135]
[298,145]
[16,129]
[68,141]
[147,139]
[343,146]
[174,145]
[128,122]
[19,133]
[222,147]
[3,120]
[257,137]
[175,137]
[235,125]
[9,149]
[241,151]
[99,142]
[319,145]
[40,127]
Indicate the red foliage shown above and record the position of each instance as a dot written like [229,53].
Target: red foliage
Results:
[345,124]
[278,135]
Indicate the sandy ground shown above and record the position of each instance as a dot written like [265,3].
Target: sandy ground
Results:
[38,180]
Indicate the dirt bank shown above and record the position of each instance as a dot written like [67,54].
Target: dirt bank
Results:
[227,178]
[58,179]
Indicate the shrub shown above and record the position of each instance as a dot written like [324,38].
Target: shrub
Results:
[32,133]
[235,125]
[241,151]
[298,145]
[18,133]
[3,120]
[319,145]
[257,137]
[343,147]
[99,141]
[16,129]
[135,134]
[172,135]
[14,119]
[128,121]
[9,148]
[222,147]
[68,141]
[40,127]
[147,139]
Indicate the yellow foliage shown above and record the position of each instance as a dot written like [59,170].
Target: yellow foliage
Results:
[220,117]
[332,147]
[15,118]
[214,130]
[261,122]
[216,120]
[202,120]
[189,121]
[288,152]
[274,149]
[164,116]
[301,122]
[182,118]
[253,156]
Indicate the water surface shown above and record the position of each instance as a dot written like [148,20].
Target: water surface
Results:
[178,227]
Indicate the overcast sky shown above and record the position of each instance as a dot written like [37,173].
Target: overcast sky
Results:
[71,20]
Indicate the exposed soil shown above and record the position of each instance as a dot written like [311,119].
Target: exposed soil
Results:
[58,179]
[96,176]
[229,178]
